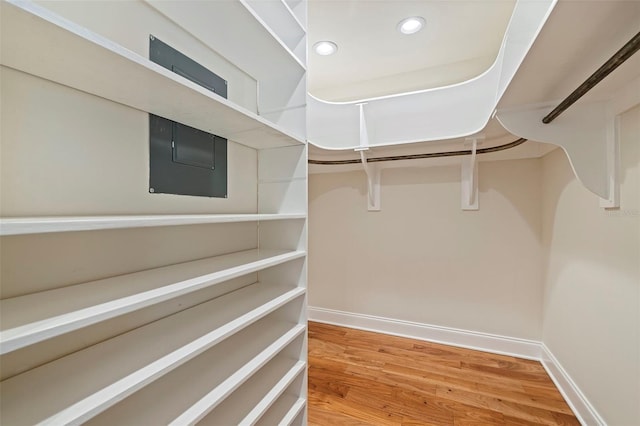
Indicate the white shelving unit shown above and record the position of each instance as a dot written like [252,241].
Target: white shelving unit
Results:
[217,339]
[274,392]
[211,400]
[285,412]
[130,361]
[277,15]
[299,9]
[280,66]
[43,44]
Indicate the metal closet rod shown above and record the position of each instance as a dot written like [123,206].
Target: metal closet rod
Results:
[419,156]
[614,62]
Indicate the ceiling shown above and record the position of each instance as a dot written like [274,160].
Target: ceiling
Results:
[460,40]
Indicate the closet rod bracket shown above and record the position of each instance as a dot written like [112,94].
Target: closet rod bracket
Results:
[372,171]
[469,177]
[588,133]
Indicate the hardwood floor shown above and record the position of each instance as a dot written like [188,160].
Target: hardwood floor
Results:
[363,378]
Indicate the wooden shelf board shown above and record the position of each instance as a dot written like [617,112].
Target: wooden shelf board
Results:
[283,411]
[249,400]
[178,390]
[293,14]
[280,22]
[79,386]
[276,391]
[295,410]
[244,32]
[39,42]
[211,400]
[40,225]
[299,9]
[36,317]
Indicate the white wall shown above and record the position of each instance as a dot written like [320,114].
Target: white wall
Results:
[421,258]
[540,260]
[65,152]
[592,281]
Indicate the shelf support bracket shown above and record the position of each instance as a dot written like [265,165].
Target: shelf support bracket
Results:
[373,182]
[469,178]
[612,158]
[587,132]
[373,172]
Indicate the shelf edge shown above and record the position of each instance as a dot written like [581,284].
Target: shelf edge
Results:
[43,225]
[293,412]
[267,401]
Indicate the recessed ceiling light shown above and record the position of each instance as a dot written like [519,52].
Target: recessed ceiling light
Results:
[411,25]
[325,48]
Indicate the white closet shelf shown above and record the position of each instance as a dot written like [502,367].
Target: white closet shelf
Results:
[39,42]
[39,316]
[278,389]
[41,225]
[249,402]
[200,409]
[235,32]
[293,14]
[295,410]
[281,23]
[77,387]
[284,411]
[237,359]
[299,10]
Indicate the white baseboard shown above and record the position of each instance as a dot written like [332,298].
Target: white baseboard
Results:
[582,408]
[504,345]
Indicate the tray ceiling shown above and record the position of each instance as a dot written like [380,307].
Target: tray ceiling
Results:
[460,40]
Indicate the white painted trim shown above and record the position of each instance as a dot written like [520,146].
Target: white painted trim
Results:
[503,345]
[580,405]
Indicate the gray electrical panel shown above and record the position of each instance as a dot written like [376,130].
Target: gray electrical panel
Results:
[184,160]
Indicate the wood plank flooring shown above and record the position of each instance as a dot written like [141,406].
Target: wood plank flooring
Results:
[363,378]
